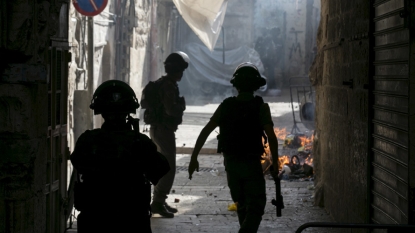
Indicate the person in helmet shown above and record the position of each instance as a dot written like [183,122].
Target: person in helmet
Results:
[242,121]
[163,131]
[116,166]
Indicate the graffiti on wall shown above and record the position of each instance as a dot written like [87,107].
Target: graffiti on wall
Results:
[295,46]
[295,58]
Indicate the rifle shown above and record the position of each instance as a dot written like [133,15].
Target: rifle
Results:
[278,201]
[134,122]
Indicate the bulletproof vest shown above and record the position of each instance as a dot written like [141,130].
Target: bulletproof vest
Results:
[105,161]
[240,127]
[171,122]
[116,169]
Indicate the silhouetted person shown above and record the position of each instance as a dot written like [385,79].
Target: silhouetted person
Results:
[116,166]
[260,47]
[277,56]
[163,131]
[242,121]
[268,58]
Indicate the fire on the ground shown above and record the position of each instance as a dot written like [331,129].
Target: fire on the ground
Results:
[296,158]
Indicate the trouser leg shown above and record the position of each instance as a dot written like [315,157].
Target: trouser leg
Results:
[255,199]
[83,223]
[247,185]
[88,222]
[254,211]
[166,144]
[235,187]
[241,211]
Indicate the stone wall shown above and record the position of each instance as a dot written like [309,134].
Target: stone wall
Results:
[26,28]
[340,146]
[139,48]
[23,157]
[127,61]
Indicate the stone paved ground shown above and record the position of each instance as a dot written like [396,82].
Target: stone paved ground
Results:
[203,201]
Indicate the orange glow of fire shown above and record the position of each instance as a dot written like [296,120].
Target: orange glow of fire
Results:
[285,159]
[305,141]
[281,134]
[309,161]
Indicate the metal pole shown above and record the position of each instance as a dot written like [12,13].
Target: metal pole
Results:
[401,228]
[117,39]
[223,47]
[294,129]
[153,43]
[284,30]
[91,65]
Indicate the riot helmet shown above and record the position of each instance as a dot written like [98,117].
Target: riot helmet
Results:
[114,96]
[247,77]
[176,62]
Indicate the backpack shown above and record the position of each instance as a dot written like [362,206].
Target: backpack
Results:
[151,102]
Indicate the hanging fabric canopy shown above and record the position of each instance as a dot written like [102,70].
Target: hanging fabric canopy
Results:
[208,67]
[205,18]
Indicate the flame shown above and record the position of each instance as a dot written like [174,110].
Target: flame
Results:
[285,159]
[305,141]
[282,160]
[309,160]
[281,134]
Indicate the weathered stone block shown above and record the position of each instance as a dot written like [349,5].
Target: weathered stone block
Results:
[340,150]
[24,73]
[18,150]
[22,107]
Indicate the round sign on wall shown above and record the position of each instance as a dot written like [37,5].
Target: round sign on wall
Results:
[89,7]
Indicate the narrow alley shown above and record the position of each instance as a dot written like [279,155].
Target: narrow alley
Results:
[324,94]
[203,201]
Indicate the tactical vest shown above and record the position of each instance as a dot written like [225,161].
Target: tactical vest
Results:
[240,128]
[116,168]
[171,121]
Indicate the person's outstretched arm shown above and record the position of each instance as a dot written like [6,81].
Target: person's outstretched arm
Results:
[201,139]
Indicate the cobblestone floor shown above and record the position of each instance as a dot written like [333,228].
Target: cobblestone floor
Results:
[203,203]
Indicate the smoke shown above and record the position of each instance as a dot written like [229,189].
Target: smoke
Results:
[276,35]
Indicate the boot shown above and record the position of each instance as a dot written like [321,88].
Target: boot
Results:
[169,208]
[159,208]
